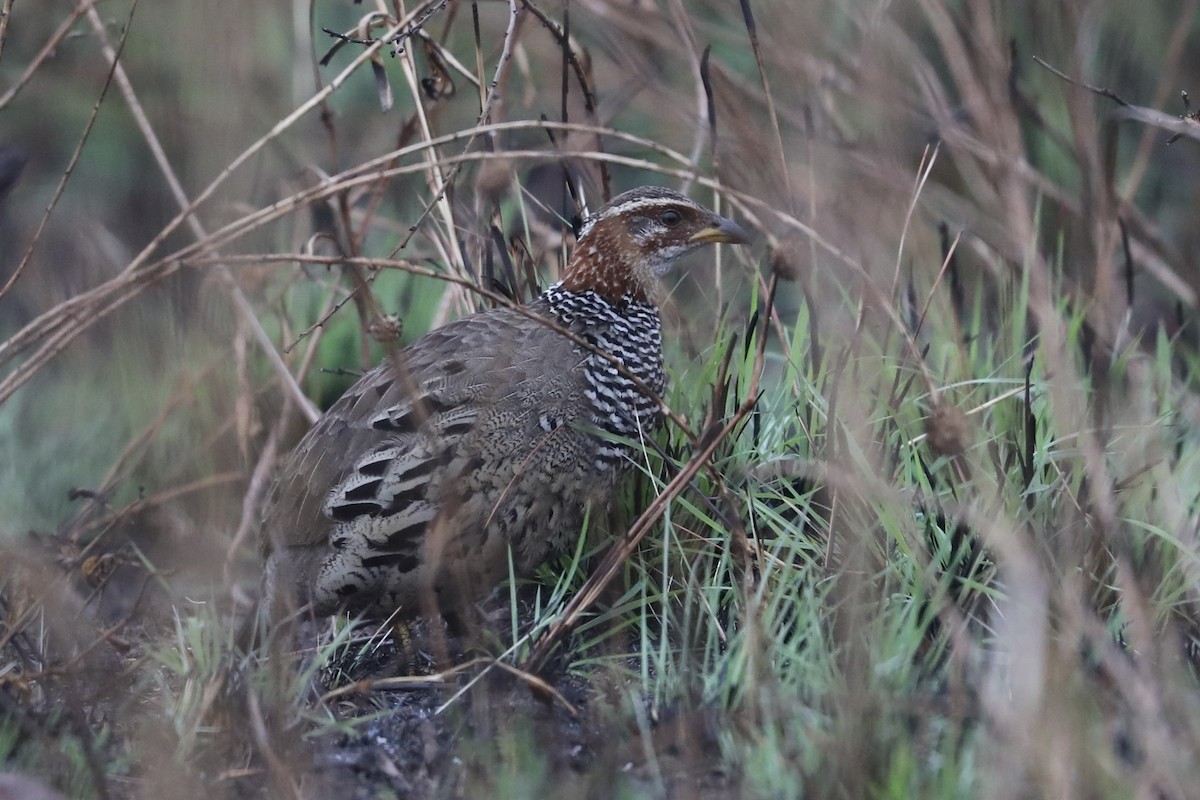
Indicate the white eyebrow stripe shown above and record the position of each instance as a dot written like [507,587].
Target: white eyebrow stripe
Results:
[638,205]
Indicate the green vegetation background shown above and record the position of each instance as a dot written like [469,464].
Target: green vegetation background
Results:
[968,486]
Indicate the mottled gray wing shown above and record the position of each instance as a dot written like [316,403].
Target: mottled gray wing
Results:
[440,382]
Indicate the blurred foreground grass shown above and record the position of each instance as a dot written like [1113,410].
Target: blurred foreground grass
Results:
[946,547]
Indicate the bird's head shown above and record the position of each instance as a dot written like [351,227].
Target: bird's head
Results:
[635,237]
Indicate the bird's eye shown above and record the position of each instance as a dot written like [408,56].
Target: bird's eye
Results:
[671,218]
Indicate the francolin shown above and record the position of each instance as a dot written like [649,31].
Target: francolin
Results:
[493,432]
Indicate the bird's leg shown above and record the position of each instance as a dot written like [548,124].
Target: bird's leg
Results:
[408,652]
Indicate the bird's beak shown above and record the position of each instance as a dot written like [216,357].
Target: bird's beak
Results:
[721,230]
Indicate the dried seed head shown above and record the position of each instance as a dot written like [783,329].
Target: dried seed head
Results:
[386,328]
[785,259]
[494,179]
[948,430]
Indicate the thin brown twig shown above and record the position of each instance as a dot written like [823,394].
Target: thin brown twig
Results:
[446,55]
[1100,90]
[539,685]
[436,680]
[252,499]
[183,395]
[74,159]
[58,327]
[276,130]
[445,241]
[493,94]
[62,324]
[495,297]
[1167,79]
[288,205]
[705,112]
[160,498]
[755,47]
[589,95]
[937,281]
[48,49]
[1180,127]
[924,170]
[241,305]
[333,185]
[334,306]
[280,773]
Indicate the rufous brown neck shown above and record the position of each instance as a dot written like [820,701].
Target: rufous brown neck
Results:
[636,237]
[605,261]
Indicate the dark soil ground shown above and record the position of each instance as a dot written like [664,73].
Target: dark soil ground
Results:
[490,732]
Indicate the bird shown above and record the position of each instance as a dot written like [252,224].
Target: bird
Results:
[490,435]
